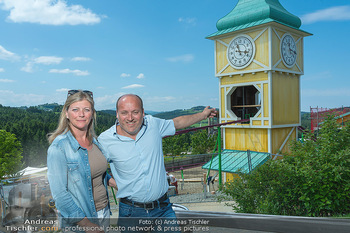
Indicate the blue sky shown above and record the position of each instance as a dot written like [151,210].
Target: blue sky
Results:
[156,49]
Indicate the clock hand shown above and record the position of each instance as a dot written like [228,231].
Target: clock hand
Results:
[237,46]
[291,50]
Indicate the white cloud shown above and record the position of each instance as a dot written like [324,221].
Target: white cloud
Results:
[69,71]
[140,76]
[6,81]
[188,20]
[2,70]
[124,75]
[183,58]
[107,101]
[337,13]
[81,59]
[7,55]
[44,60]
[28,67]
[48,60]
[133,86]
[10,98]
[48,12]
[161,103]
[157,99]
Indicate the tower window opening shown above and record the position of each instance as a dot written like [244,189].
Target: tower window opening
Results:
[245,102]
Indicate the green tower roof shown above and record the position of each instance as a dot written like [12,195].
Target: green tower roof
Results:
[249,13]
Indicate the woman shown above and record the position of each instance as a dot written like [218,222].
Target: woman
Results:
[77,167]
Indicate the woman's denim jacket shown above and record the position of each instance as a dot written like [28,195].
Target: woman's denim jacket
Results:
[69,176]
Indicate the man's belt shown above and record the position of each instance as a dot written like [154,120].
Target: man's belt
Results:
[147,205]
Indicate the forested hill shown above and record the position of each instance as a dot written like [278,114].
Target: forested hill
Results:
[169,114]
[179,112]
[31,125]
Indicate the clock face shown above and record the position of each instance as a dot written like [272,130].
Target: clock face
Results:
[241,51]
[288,50]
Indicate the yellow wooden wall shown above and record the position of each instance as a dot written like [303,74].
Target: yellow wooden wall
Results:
[246,78]
[265,102]
[246,139]
[278,136]
[261,54]
[231,176]
[285,99]
[276,50]
[256,139]
[263,51]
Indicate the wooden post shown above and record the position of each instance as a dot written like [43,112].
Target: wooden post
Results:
[205,186]
[249,161]
[219,152]
[183,179]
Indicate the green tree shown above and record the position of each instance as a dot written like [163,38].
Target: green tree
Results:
[313,180]
[30,125]
[202,143]
[177,144]
[10,154]
[305,120]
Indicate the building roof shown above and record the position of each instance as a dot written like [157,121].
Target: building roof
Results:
[343,115]
[235,161]
[344,118]
[249,13]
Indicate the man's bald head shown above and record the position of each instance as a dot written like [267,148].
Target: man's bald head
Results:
[127,96]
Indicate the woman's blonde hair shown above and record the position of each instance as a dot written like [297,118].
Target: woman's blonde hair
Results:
[63,123]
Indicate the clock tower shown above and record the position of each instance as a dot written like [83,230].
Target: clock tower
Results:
[259,60]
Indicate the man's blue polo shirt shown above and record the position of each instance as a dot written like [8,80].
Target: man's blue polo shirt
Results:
[138,165]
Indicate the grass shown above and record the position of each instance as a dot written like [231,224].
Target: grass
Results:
[175,158]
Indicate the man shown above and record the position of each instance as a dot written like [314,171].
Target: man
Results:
[172,181]
[135,151]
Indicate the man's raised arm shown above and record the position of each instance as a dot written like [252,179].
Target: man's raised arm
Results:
[188,120]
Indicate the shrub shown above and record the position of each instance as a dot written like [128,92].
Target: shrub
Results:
[313,180]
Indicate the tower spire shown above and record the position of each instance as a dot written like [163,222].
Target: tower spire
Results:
[249,13]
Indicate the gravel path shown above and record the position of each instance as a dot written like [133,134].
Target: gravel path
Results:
[193,198]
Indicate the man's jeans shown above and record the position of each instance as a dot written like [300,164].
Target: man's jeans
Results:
[136,219]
